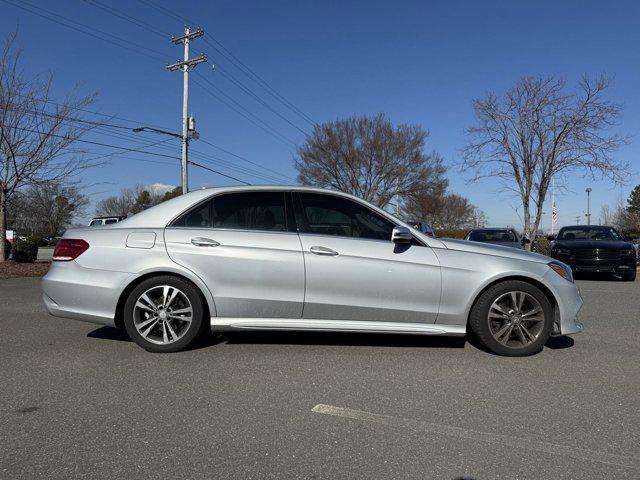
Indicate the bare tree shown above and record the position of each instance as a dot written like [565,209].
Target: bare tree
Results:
[118,205]
[444,211]
[536,131]
[606,217]
[34,136]
[370,158]
[47,208]
[135,199]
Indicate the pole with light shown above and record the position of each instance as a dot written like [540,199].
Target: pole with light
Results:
[588,215]
[194,136]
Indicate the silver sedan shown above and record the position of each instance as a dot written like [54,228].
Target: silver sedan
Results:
[296,258]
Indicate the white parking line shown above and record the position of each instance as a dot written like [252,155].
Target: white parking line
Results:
[467,434]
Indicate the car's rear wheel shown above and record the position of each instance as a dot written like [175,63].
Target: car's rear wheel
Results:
[164,314]
[512,318]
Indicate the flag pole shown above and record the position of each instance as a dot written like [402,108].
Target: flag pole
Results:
[553,202]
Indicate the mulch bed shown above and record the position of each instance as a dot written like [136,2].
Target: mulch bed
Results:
[10,269]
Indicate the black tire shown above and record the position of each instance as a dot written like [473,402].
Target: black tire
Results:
[629,277]
[195,329]
[479,324]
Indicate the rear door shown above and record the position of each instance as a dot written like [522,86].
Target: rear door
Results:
[244,247]
[355,272]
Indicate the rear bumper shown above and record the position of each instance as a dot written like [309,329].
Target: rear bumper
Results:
[72,291]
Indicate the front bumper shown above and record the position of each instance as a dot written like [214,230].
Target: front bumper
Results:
[568,305]
[599,265]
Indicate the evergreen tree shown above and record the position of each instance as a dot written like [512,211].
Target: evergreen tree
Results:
[633,202]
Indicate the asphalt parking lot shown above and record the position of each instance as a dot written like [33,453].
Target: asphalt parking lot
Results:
[82,401]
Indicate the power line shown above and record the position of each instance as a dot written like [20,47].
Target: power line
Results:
[110,38]
[219,173]
[66,137]
[100,126]
[45,113]
[128,150]
[82,29]
[93,112]
[124,16]
[248,115]
[244,68]
[240,157]
[239,64]
[231,78]
[261,101]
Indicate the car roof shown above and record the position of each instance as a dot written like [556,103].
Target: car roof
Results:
[586,226]
[491,228]
[160,215]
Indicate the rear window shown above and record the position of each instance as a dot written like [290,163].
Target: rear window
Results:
[492,236]
[264,211]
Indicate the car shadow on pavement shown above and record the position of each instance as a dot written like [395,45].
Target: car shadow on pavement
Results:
[120,335]
[560,342]
[344,339]
[109,333]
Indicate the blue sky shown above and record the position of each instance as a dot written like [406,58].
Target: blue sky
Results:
[418,61]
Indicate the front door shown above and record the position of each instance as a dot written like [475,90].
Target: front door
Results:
[240,245]
[355,272]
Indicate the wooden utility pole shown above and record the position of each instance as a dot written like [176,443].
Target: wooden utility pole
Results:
[185,66]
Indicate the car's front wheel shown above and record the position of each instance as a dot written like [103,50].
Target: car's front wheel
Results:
[164,314]
[629,276]
[512,318]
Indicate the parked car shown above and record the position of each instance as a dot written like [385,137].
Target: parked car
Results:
[507,237]
[423,227]
[50,240]
[99,221]
[297,258]
[595,248]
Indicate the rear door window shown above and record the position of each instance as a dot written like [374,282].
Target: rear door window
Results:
[264,211]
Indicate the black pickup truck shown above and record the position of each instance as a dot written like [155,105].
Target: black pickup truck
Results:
[597,249]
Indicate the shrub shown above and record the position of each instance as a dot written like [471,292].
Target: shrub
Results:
[7,248]
[452,233]
[542,246]
[25,251]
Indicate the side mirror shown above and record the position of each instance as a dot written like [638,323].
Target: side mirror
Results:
[401,235]
[525,241]
[551,237]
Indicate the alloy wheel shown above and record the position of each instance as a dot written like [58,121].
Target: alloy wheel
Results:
[516,319]
[162,314]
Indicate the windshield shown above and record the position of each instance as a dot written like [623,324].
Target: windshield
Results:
[588,233]
[492,236]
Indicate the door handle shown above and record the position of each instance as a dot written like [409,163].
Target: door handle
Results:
[323,251]
[204,242]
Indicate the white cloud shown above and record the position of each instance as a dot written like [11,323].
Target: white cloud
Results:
[159,188]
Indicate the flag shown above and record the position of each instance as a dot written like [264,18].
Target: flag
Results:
[554,216]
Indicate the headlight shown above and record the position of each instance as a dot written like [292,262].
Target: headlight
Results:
[562,270]
[627,252]
[562,251]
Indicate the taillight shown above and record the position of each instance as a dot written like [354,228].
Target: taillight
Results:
[68,249]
